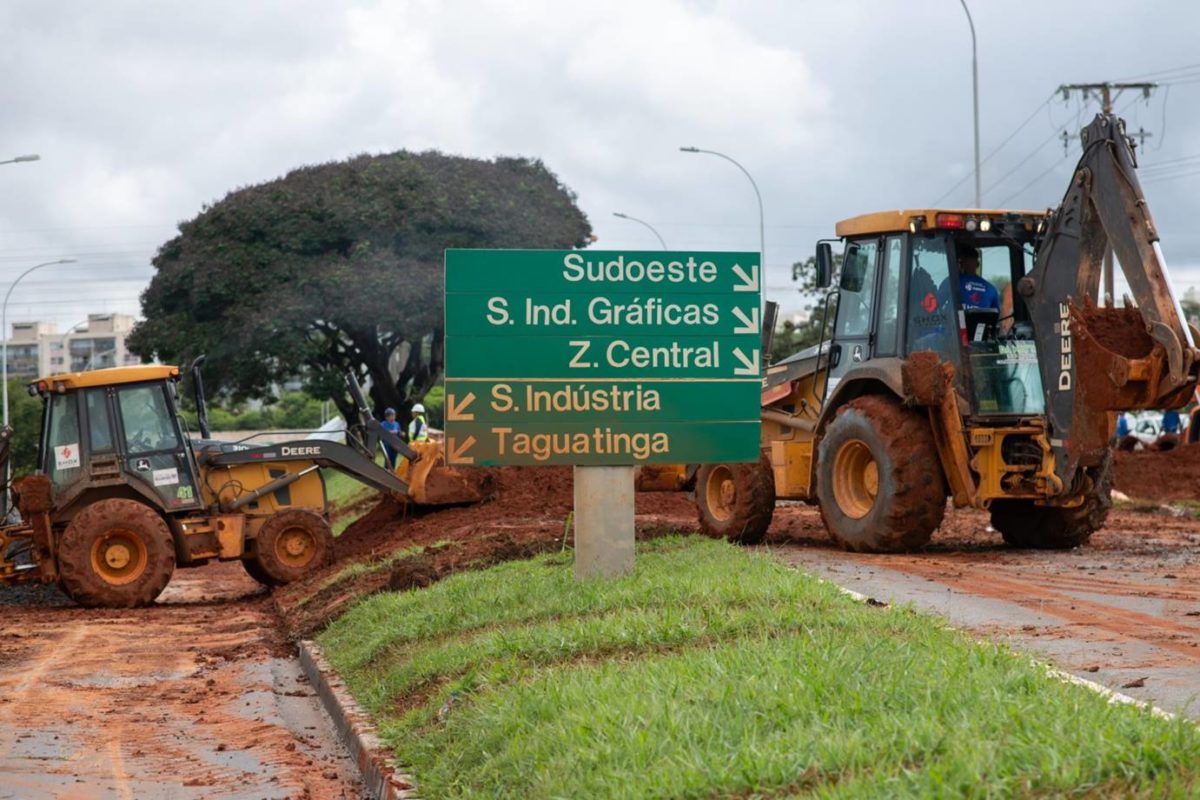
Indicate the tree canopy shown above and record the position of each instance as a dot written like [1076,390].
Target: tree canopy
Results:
[338,267]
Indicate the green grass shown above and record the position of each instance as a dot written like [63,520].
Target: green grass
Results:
[342,491]
[714,672]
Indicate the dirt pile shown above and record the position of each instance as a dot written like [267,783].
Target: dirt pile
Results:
[527,514]
[1161,476]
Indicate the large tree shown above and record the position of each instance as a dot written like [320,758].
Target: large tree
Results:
[339,267]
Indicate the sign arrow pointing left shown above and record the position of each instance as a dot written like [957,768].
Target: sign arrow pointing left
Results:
[457,412]
[457,453]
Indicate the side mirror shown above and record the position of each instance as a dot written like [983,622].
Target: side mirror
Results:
[824,264]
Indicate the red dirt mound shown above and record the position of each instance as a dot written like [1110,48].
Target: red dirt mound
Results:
[527,514]
[1161,476]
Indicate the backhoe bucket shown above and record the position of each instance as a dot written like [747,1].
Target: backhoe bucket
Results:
[431,482]
[1120,366]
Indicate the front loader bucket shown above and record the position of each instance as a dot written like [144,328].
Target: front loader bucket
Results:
[432,483]
[1121,366]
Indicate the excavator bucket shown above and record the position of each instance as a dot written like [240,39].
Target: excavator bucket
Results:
[432,483]
[1123,366]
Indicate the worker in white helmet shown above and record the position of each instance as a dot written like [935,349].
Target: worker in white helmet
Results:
[418,429]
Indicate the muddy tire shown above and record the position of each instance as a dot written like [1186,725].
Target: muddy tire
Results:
[116,554]
[254,570]
[879,479]
[736,501]
[290,545]
[1023,524]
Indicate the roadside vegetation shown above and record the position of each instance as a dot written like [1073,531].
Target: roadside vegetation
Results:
[715,672]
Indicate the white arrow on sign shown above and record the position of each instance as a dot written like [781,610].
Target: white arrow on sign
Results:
[750,365]
[749,323]
[456,412]
[458,452]
[749,280]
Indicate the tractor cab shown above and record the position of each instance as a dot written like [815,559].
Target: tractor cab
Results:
[939,280]
[116,431]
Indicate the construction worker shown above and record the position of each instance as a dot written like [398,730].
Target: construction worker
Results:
[418,429]
[389,424]
[976,291]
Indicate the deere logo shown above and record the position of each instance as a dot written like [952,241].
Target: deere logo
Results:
[299,451]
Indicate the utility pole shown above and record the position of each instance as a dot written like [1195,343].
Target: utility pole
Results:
[1106,93]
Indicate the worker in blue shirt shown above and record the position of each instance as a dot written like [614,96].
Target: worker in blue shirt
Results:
[974,290]
[389,424]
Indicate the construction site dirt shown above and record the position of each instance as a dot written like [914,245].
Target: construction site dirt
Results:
[199,696]
[1122,610]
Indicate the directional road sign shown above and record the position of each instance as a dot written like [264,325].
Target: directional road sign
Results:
[602,357]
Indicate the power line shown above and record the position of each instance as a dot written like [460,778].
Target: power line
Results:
[997,149]
[1025,160]
[1051,168]
[1170,176]
[1147,75]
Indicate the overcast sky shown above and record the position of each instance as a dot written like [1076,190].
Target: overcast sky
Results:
[143,112]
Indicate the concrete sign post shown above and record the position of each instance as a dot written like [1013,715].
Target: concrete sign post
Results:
[603,360]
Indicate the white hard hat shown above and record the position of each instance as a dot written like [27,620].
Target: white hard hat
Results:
[418,409]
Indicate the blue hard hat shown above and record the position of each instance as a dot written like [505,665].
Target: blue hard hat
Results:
[389,410]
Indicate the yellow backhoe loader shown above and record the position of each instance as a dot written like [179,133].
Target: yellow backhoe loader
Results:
[924,393]
[122,496]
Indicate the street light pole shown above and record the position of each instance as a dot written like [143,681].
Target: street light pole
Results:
[975,100]
[642,222]
[22,159]
[762,238]
[4,343]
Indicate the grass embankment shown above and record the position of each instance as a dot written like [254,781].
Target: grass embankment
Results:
[713,672]
[345,495]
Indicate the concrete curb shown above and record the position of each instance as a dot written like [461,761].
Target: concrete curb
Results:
[382,776]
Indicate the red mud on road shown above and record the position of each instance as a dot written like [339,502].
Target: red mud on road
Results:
[197,697]
[1160,476]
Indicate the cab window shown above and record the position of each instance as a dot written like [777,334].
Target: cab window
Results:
[889,296]
[63,457]
[100,438]
[145,419]
[857,285]
[932,322]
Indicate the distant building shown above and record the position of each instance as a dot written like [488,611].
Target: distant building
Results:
[37,348]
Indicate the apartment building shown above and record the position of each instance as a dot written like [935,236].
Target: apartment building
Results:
[37,348]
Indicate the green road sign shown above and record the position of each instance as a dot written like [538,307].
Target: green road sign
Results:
[602,357]
[557,356]
[650,313]
[602,271]
[599,444]
[518,401]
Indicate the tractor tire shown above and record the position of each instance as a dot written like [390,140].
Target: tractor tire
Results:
[254,570]
[116,553]
[1023,524]
[736,501]
[292,544]
[879,479]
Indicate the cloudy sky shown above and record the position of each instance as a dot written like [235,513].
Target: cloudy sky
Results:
[143,112]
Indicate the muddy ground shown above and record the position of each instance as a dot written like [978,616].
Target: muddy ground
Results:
[198,697]
[201,696]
